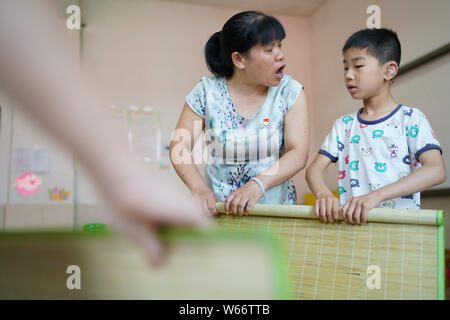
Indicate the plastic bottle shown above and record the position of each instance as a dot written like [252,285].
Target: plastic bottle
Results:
[165,160]
[144,134]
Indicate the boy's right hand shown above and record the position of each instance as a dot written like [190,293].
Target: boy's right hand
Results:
[207,200]
[326,207]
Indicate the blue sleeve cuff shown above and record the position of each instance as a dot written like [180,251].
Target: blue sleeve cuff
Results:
[333,159]
[429,146]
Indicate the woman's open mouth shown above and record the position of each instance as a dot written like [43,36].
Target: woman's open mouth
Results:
[279,73]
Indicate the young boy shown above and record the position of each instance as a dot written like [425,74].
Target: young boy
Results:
[387,153]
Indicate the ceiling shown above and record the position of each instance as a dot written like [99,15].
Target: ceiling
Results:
[291,7]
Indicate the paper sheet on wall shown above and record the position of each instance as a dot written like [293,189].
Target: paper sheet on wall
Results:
[34,160]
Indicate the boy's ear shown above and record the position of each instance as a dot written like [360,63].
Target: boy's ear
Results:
[390,70]
[238,60]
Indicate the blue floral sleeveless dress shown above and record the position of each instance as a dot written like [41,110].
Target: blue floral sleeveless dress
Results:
[240,148]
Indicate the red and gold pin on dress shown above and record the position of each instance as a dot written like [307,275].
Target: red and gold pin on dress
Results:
[266,121]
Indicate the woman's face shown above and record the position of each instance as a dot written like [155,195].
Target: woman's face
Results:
[265,64]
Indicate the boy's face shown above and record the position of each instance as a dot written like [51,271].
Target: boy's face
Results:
[363,75]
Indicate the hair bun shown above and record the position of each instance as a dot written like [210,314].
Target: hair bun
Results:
[213,56]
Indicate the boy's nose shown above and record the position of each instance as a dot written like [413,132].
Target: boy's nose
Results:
[349,74]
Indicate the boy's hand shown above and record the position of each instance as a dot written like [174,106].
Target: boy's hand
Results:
[356,209]
[326,208]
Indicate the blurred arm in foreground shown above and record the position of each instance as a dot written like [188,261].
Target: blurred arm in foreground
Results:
[41,75]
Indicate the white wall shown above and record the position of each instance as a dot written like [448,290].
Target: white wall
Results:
[5,145]
[19,131]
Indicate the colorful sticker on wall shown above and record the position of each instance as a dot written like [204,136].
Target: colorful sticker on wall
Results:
[28,183]
[58,194]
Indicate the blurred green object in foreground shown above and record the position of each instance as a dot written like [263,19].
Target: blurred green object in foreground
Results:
[101,265]
[94,227]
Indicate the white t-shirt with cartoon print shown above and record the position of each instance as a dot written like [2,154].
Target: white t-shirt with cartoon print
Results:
[373,154]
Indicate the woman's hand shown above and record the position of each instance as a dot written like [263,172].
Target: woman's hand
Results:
[207,200]
[243,199]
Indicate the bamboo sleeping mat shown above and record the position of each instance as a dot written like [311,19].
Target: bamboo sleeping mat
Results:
[331,260]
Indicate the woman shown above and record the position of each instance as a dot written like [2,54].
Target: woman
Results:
[255,118]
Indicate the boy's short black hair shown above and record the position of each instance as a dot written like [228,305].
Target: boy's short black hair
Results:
[382,43]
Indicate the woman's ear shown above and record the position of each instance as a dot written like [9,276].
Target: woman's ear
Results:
[390,70]
[238,60]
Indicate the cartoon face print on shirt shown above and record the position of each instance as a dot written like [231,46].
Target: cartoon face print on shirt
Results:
[355,139]
[374,186]
[388,204]
[393,123]
[340,144]
[402,175]
[380,167]
[377,134]
[406,160]
[347,119]
[393,150]
[408,112]
[366,151]
[354,165]
[354,183]
[347,133]
[412,131]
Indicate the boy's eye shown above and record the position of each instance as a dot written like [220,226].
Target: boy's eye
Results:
[360,66]
[345,68]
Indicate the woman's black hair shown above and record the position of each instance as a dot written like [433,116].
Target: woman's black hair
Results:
[239,34]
